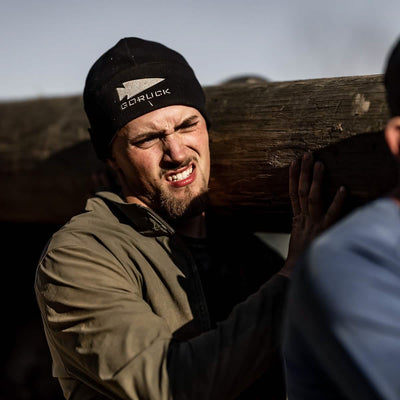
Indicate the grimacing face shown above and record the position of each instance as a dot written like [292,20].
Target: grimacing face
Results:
[162,160]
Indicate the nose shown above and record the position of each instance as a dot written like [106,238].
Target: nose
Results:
[174,149]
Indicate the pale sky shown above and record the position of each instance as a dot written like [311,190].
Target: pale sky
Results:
[47,46]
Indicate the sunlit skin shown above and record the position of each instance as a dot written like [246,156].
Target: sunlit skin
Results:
[162,159]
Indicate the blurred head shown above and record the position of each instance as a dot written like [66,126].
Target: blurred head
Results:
[392,80]
[392,85]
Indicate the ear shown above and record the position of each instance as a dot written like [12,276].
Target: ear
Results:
[392,135]
[112,163]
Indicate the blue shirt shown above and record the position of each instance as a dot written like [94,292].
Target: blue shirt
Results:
[352,272]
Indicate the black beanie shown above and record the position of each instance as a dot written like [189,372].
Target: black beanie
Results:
[133,78]
[392,80]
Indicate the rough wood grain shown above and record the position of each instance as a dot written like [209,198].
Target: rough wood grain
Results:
[46,158]
[259,129]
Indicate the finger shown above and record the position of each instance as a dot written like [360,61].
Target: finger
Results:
[305,181]
[336,207]
[294,172]
[315,206]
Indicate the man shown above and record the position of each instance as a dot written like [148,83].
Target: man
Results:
[142,295]
[342,336]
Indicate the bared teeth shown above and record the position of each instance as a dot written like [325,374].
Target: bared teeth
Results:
[181,175]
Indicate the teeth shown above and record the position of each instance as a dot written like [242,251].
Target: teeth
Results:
[181,175]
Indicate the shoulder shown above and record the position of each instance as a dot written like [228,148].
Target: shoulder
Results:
[359,250]
[99,222]
[91,249]
[92,238]
[372,226]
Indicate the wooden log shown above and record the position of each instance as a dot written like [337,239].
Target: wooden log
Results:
[259,129]
[46,159]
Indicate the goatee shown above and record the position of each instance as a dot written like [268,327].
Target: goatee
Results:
[172,209]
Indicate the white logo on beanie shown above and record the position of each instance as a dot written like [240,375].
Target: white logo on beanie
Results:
[132,88]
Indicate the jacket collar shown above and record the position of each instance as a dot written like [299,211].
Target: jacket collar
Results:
[145,220]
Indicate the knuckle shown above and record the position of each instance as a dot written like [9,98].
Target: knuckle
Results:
[298,221]
[303,193]
[312,200]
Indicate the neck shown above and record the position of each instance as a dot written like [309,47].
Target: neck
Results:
[193,227]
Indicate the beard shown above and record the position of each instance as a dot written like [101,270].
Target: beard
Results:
[187,205]
[173,209]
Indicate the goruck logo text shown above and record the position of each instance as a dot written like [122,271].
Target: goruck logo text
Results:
[131,89]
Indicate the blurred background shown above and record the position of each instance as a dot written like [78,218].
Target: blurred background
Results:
[47,47]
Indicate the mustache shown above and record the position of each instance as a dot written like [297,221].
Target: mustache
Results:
[175,166]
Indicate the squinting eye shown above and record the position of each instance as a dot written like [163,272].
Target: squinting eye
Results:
[146,143]
[189,126]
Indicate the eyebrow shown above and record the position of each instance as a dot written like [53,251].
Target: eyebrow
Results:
[186,122]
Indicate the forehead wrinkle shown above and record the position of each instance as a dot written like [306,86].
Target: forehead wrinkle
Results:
[155,125]
[131,130]
[159,124]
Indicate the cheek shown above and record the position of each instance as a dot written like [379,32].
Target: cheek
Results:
[201,142]
[205,159]
[143,167]
[206,148]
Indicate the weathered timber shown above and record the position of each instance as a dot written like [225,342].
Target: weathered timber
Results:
[46,159]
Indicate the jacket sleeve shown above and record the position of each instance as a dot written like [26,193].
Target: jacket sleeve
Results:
[106,336]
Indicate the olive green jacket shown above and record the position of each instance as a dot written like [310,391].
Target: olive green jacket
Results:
[125,315]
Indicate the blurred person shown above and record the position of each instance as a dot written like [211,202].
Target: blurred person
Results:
[342,334]
[146,294]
